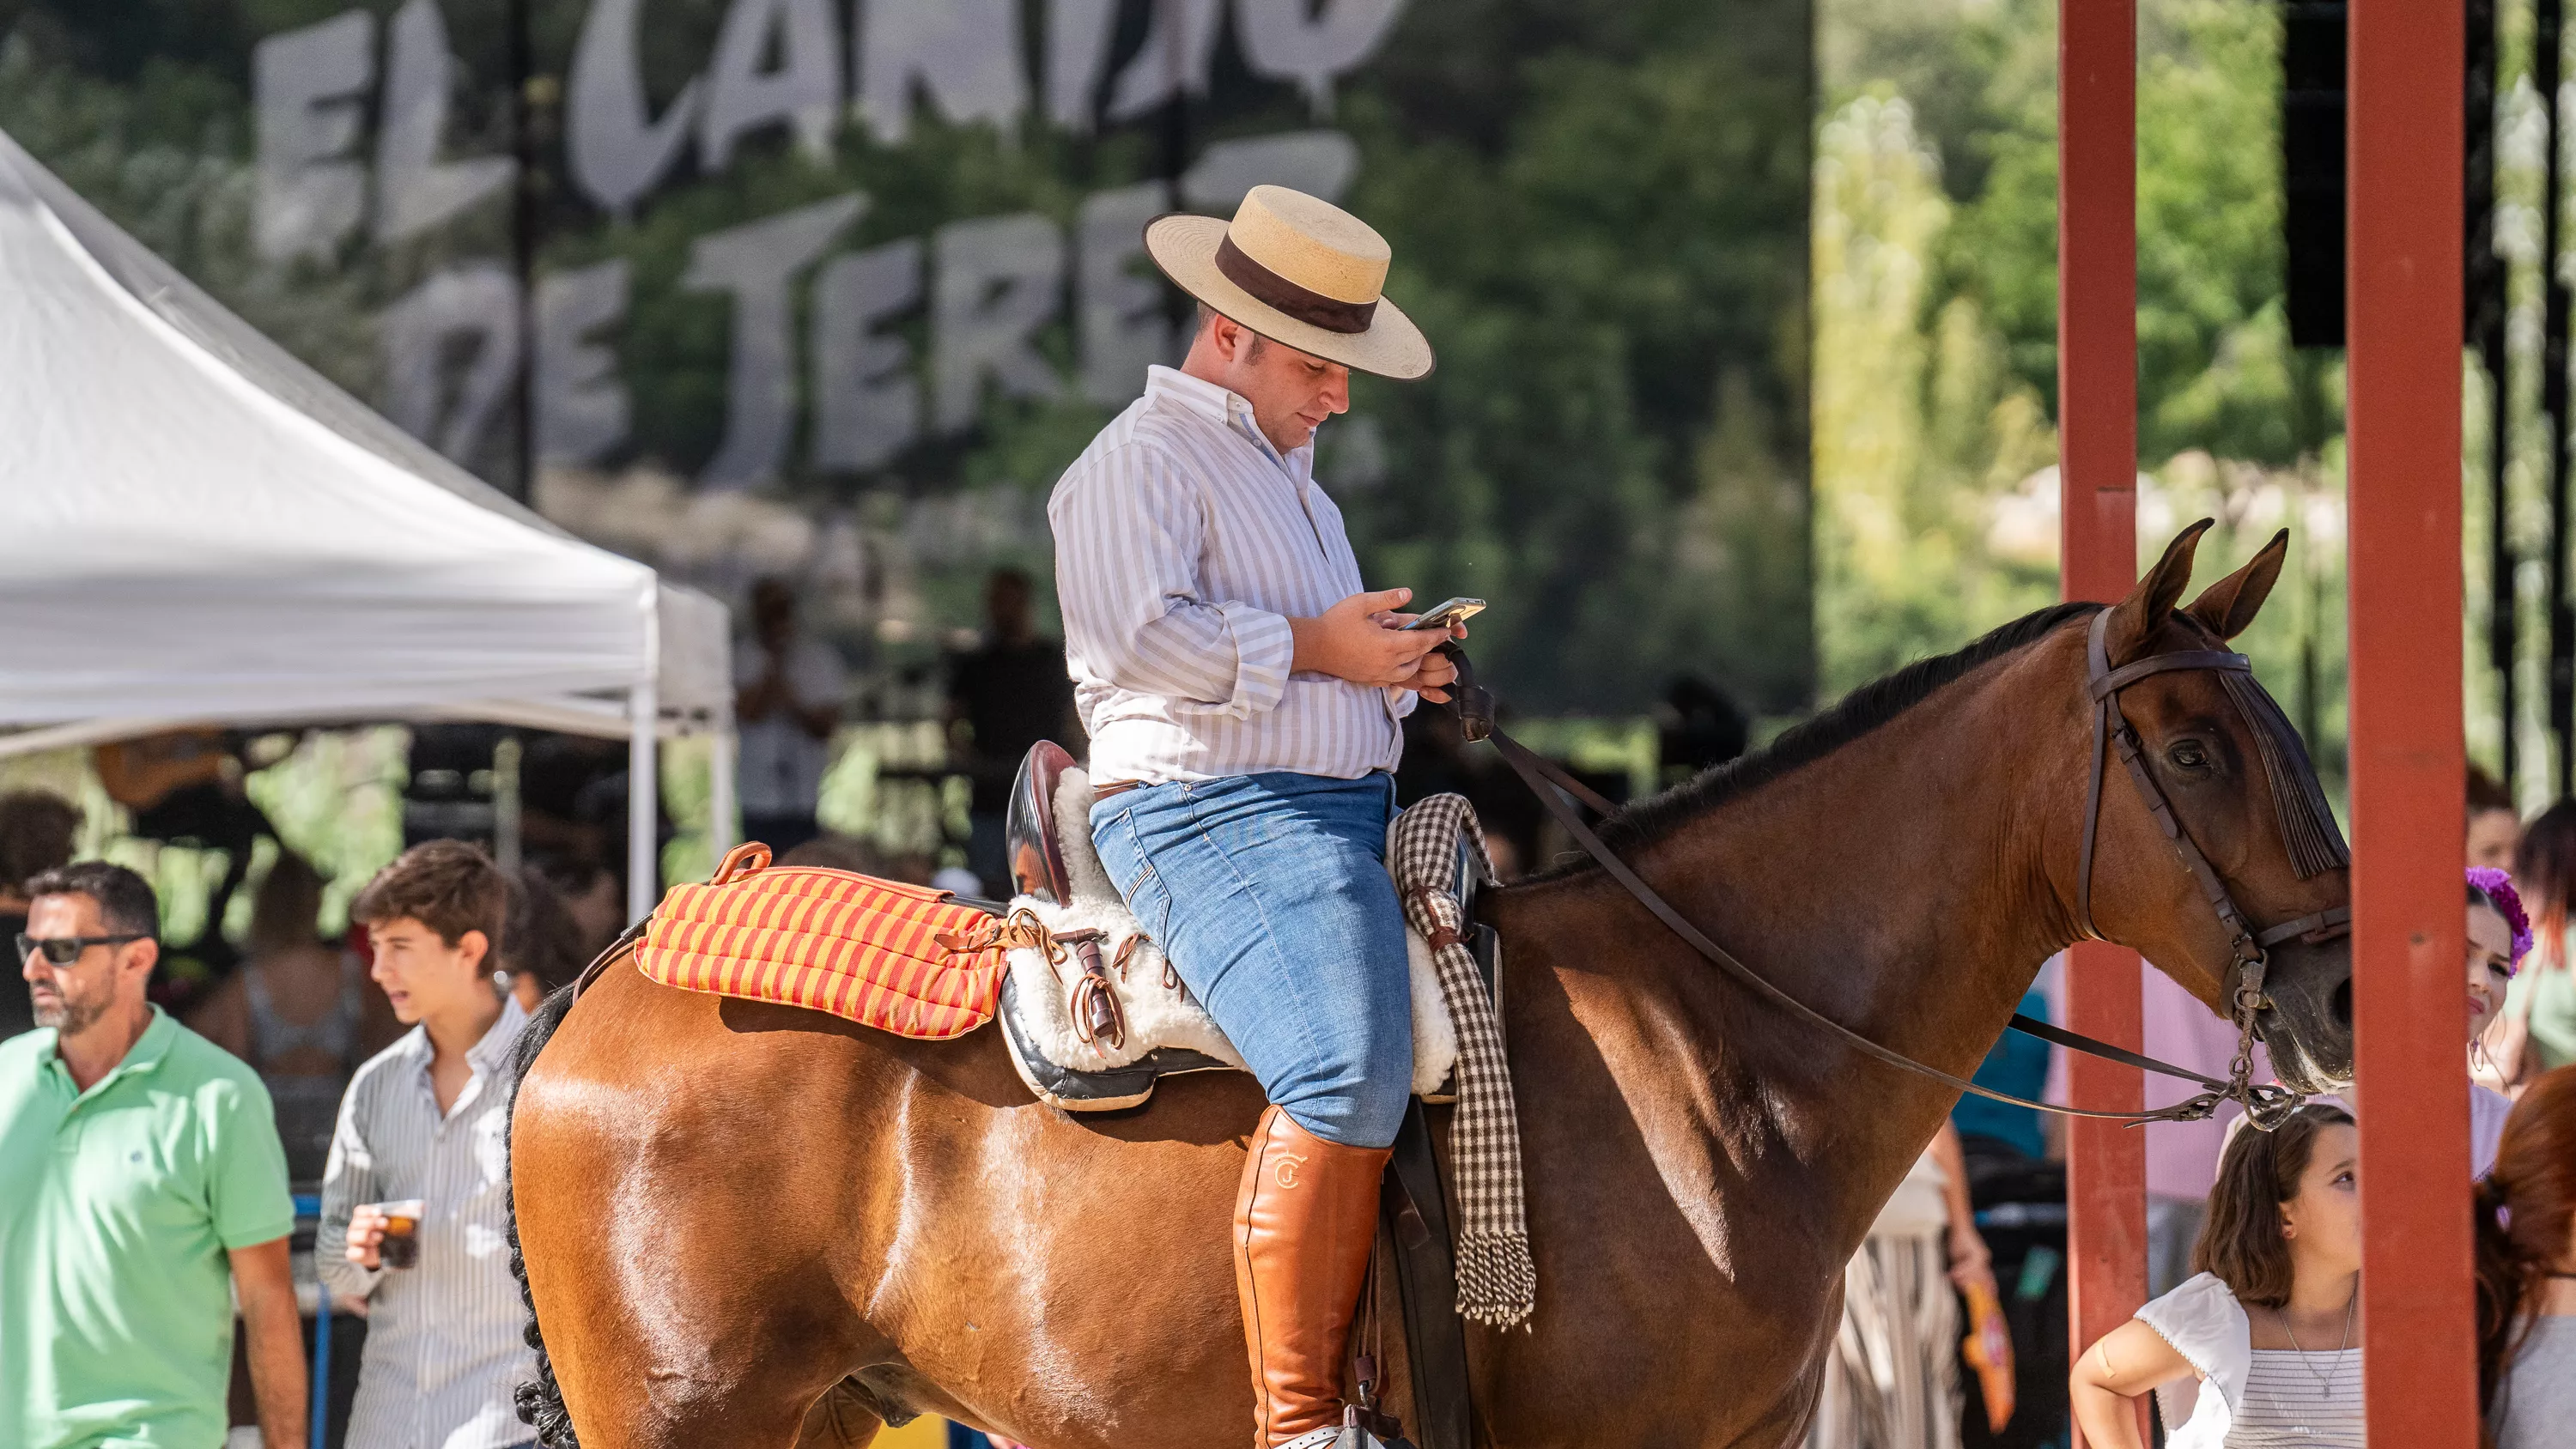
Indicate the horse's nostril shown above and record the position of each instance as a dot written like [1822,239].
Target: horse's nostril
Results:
[2341,1004]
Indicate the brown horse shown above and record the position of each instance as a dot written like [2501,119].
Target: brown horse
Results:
[758,1226]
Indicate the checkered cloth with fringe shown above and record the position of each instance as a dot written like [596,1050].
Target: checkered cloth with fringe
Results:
[1497,1281]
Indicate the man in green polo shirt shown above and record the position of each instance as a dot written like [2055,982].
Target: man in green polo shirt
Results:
[144,1177]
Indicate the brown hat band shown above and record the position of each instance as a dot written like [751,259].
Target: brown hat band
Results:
[1312,308]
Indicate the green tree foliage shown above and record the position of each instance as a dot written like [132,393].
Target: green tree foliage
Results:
[1608,447]
[1920,433]
[2215,368]
[1935,250]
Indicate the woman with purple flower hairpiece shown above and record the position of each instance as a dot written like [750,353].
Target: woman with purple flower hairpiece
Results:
[2499,937]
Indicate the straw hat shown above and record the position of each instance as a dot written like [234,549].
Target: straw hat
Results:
[1296,270]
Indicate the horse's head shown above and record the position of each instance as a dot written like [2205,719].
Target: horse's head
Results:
[2243,792]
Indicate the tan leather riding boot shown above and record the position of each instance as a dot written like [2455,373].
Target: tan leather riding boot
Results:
[1303,1227]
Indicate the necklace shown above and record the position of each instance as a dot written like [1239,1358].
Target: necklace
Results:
[2325,1381]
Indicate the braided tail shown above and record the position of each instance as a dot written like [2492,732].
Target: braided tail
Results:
[540,1401]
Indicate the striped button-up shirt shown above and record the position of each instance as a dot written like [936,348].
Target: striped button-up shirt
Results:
[1184,543]
[444,1345]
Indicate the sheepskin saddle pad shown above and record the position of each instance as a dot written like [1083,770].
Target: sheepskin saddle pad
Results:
[1095,1015]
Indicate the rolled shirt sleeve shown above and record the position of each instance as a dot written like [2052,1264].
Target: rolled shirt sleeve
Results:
[348,1179]
[1127,540]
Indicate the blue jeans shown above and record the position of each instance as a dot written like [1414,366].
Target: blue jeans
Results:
[1270,894]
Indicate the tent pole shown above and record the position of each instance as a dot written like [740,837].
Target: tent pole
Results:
[506,757]
[643,791]
[720,800]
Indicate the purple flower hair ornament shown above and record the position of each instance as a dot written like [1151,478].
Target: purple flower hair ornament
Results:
[2497,887]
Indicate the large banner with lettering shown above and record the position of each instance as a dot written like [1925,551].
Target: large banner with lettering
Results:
[834,289]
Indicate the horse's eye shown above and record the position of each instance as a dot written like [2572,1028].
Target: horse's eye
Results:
[2188,755]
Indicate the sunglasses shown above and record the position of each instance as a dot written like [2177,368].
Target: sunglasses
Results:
[64,950]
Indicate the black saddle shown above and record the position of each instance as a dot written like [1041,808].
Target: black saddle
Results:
[1029,836]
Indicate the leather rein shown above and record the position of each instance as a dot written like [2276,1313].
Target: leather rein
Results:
[2265,1105]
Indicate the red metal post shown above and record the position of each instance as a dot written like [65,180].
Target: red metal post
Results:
[2097,412]
[2403,402]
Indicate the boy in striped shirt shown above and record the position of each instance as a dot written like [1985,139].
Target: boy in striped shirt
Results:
[428,1119]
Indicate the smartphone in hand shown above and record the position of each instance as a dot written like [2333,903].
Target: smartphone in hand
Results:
[1450,611]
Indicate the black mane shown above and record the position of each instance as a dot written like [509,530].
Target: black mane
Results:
[540,1400]
[1856,714]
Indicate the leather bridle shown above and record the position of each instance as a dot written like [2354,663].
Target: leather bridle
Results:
[2265,1104]
[2249,950]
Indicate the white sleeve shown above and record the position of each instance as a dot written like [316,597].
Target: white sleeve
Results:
[2487,1111]
[2200,1318]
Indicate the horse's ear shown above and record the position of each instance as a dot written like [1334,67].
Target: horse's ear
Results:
[2226,607]
[2134,618]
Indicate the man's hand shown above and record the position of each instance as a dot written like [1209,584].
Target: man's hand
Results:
[1353,640]
[274,1341]
[366,1236]
[1438,670]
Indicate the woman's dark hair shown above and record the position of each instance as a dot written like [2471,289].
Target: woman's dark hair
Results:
[2522,1213]
[287,911]
[2505,901]
[2487,794]
[38,831]
[2544,871]
[2241,1240]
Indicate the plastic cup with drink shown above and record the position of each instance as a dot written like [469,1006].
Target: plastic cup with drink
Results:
[401,1247]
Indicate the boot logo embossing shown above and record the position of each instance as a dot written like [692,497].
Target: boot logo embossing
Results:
[1285,1172]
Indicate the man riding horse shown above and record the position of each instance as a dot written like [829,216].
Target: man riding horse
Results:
[1243,693]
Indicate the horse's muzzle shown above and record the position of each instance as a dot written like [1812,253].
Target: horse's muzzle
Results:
[2308,1026]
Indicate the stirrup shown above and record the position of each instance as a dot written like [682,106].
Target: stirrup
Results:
[1343,1436]
[1360,1429]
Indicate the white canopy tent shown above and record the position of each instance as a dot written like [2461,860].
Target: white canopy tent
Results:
[200,529]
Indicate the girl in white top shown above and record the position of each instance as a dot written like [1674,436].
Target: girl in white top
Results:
[2267,1327]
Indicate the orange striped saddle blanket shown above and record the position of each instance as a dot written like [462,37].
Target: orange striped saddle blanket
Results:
[902,958]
